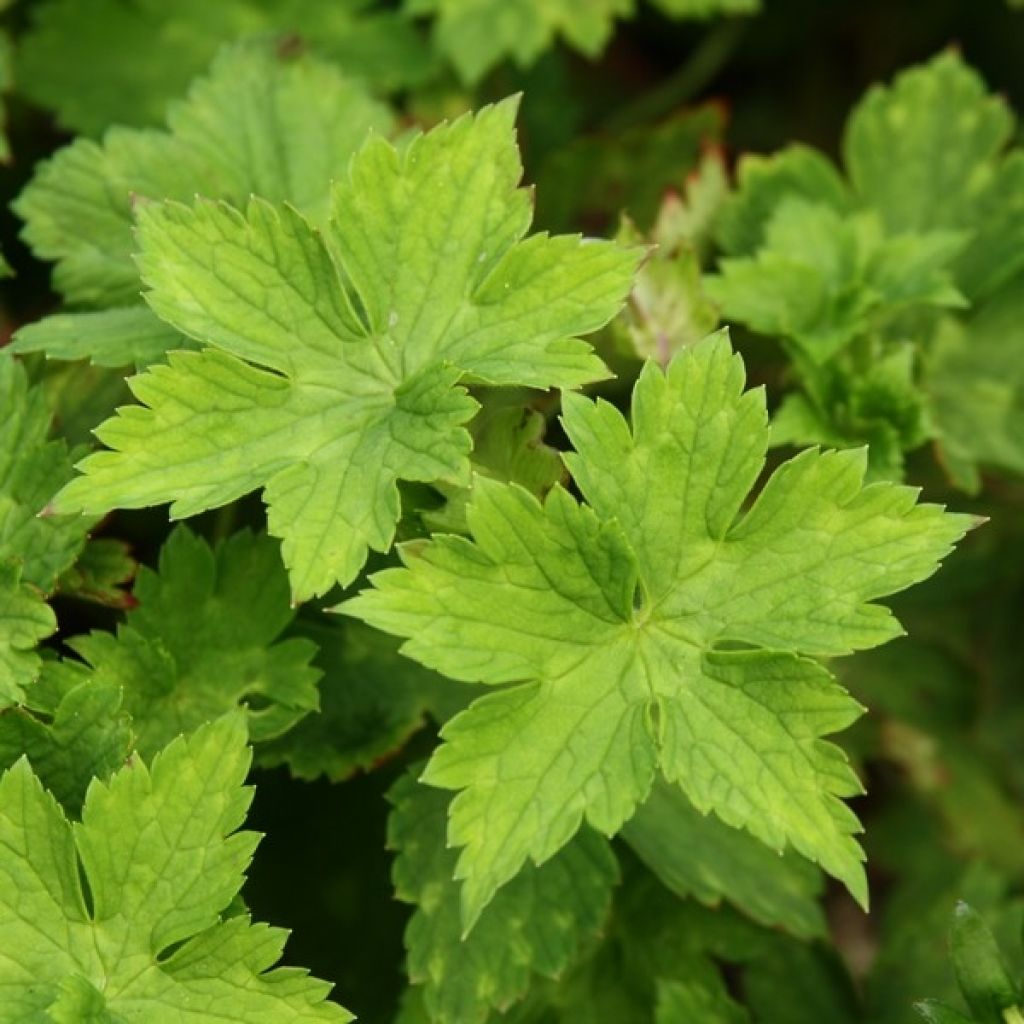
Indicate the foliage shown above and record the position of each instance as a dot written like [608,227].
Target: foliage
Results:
[602,459]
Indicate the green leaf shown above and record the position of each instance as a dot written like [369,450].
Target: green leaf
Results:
[935,1013]
[280,128]
[31,469]
[703,997]
[821,278]
[974,380]
[763,183]
[126,336]
[880,405]
[104,567]
[371,701]
[980,972]
[84,736]
[658,627]
[536,926]
[160,854]
[697,855]
[25,620]
[508,445]
[360,337]
[474,35]
[895,132]
[204,639]
[113,62]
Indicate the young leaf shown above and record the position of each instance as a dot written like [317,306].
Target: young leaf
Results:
[259,123]
[360,338]
[112,62]
[659,627]
[203,639]
[160,854]
[536,926]
[763,183]
[822,279]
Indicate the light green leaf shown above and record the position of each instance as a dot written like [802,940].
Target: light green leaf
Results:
[895,132]
[113,62]
[31,469]
[659,627]
[360,337]
[25,620]
[126,336]
[695,854]
[822,278]
[371,701]
[474,35]
[84,736]
[536,926]
[204,639]
[278,127]
[508,445]
[763,182]
[974,381]
[159,851]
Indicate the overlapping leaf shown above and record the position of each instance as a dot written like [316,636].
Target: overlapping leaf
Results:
[536,926]
[158,848]
[371,701]
[122,61]
[658,627]
[282,128]
[334,359]
[205,638]
[475,35]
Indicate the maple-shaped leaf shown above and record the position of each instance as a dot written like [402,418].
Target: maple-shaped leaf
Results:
[281,128]
[659,626]
[535,927]
[334,359]
[159,850]
[204,638]
[123,61]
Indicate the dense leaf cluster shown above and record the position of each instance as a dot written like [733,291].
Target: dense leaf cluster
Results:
[483,508]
